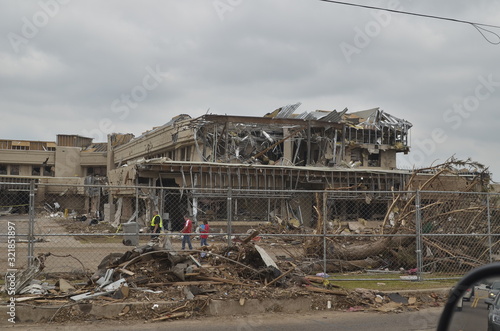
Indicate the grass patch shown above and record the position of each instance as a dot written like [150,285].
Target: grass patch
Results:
[390,282]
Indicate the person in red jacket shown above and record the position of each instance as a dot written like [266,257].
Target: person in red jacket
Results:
[187,229]
[204,229]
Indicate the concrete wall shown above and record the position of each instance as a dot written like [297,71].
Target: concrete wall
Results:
[93,159]
[25,170]
[157,141]
[388,159]
[26,157]
[68,162]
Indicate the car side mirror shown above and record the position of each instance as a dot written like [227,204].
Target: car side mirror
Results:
[488,287]
[485,272]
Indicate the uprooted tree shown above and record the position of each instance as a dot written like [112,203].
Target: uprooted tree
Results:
[455,226]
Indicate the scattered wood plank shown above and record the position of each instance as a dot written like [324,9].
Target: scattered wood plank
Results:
[222,280]
[195,261]
[250,237]
[186,283]
[324,290]
[125,271]
[51,301]
[320,280]
[281,276]
[315,279]
[184,314]
[124,311]
[22,299]
[109,299]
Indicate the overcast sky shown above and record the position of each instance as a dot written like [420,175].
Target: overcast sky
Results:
[96,67]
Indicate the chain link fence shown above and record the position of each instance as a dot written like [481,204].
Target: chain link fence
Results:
[419,235]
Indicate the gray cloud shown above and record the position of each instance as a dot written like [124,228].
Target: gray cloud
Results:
[77,70]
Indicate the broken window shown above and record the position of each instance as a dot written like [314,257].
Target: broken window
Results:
[48,171]
[96,171]
[356,155]
[3,169]
[14,170]
[374,160]
[185,153]
[35,171]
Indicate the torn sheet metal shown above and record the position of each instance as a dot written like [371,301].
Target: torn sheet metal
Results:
[106,279]
[266,257]
[21,279]
[288,110]
[115,285]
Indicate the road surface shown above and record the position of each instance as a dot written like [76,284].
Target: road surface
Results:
[425,319]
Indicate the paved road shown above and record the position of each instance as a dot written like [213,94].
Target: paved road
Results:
[426,319]
[471,318]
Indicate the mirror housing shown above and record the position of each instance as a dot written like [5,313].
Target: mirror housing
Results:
[475,275]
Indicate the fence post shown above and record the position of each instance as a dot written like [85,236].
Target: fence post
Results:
[229,215]
[325,196]
[31,224]
[418,230]
[489,225]
[136,214]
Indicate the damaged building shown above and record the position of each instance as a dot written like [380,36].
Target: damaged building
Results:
[62,167]
[219,167]
[279,152]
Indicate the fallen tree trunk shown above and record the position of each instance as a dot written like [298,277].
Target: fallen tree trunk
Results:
[361,251]
[337,265]
[355,251]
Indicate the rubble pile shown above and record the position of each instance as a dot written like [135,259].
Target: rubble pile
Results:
[153,283]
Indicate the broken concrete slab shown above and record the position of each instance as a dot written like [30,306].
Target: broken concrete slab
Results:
[65,286]
[356,226]
[389,307]
[396,297]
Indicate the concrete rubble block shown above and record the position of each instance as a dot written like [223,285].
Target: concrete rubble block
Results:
[65,286]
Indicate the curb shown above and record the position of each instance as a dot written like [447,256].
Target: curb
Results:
[44,314]
[243,307]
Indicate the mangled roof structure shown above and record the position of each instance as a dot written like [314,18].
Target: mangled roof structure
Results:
[319,138]
[283,149]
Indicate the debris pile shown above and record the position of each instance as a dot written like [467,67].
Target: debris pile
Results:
[171,284]
[444,214]
[393,302]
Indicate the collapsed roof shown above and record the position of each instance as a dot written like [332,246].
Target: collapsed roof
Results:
[313,138]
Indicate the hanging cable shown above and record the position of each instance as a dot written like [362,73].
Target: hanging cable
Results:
[480,27]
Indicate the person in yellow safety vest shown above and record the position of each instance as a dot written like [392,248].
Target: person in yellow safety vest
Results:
[156,224]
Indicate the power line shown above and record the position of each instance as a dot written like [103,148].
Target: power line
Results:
[481,27]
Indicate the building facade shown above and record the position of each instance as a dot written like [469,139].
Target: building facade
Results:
[209,155]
